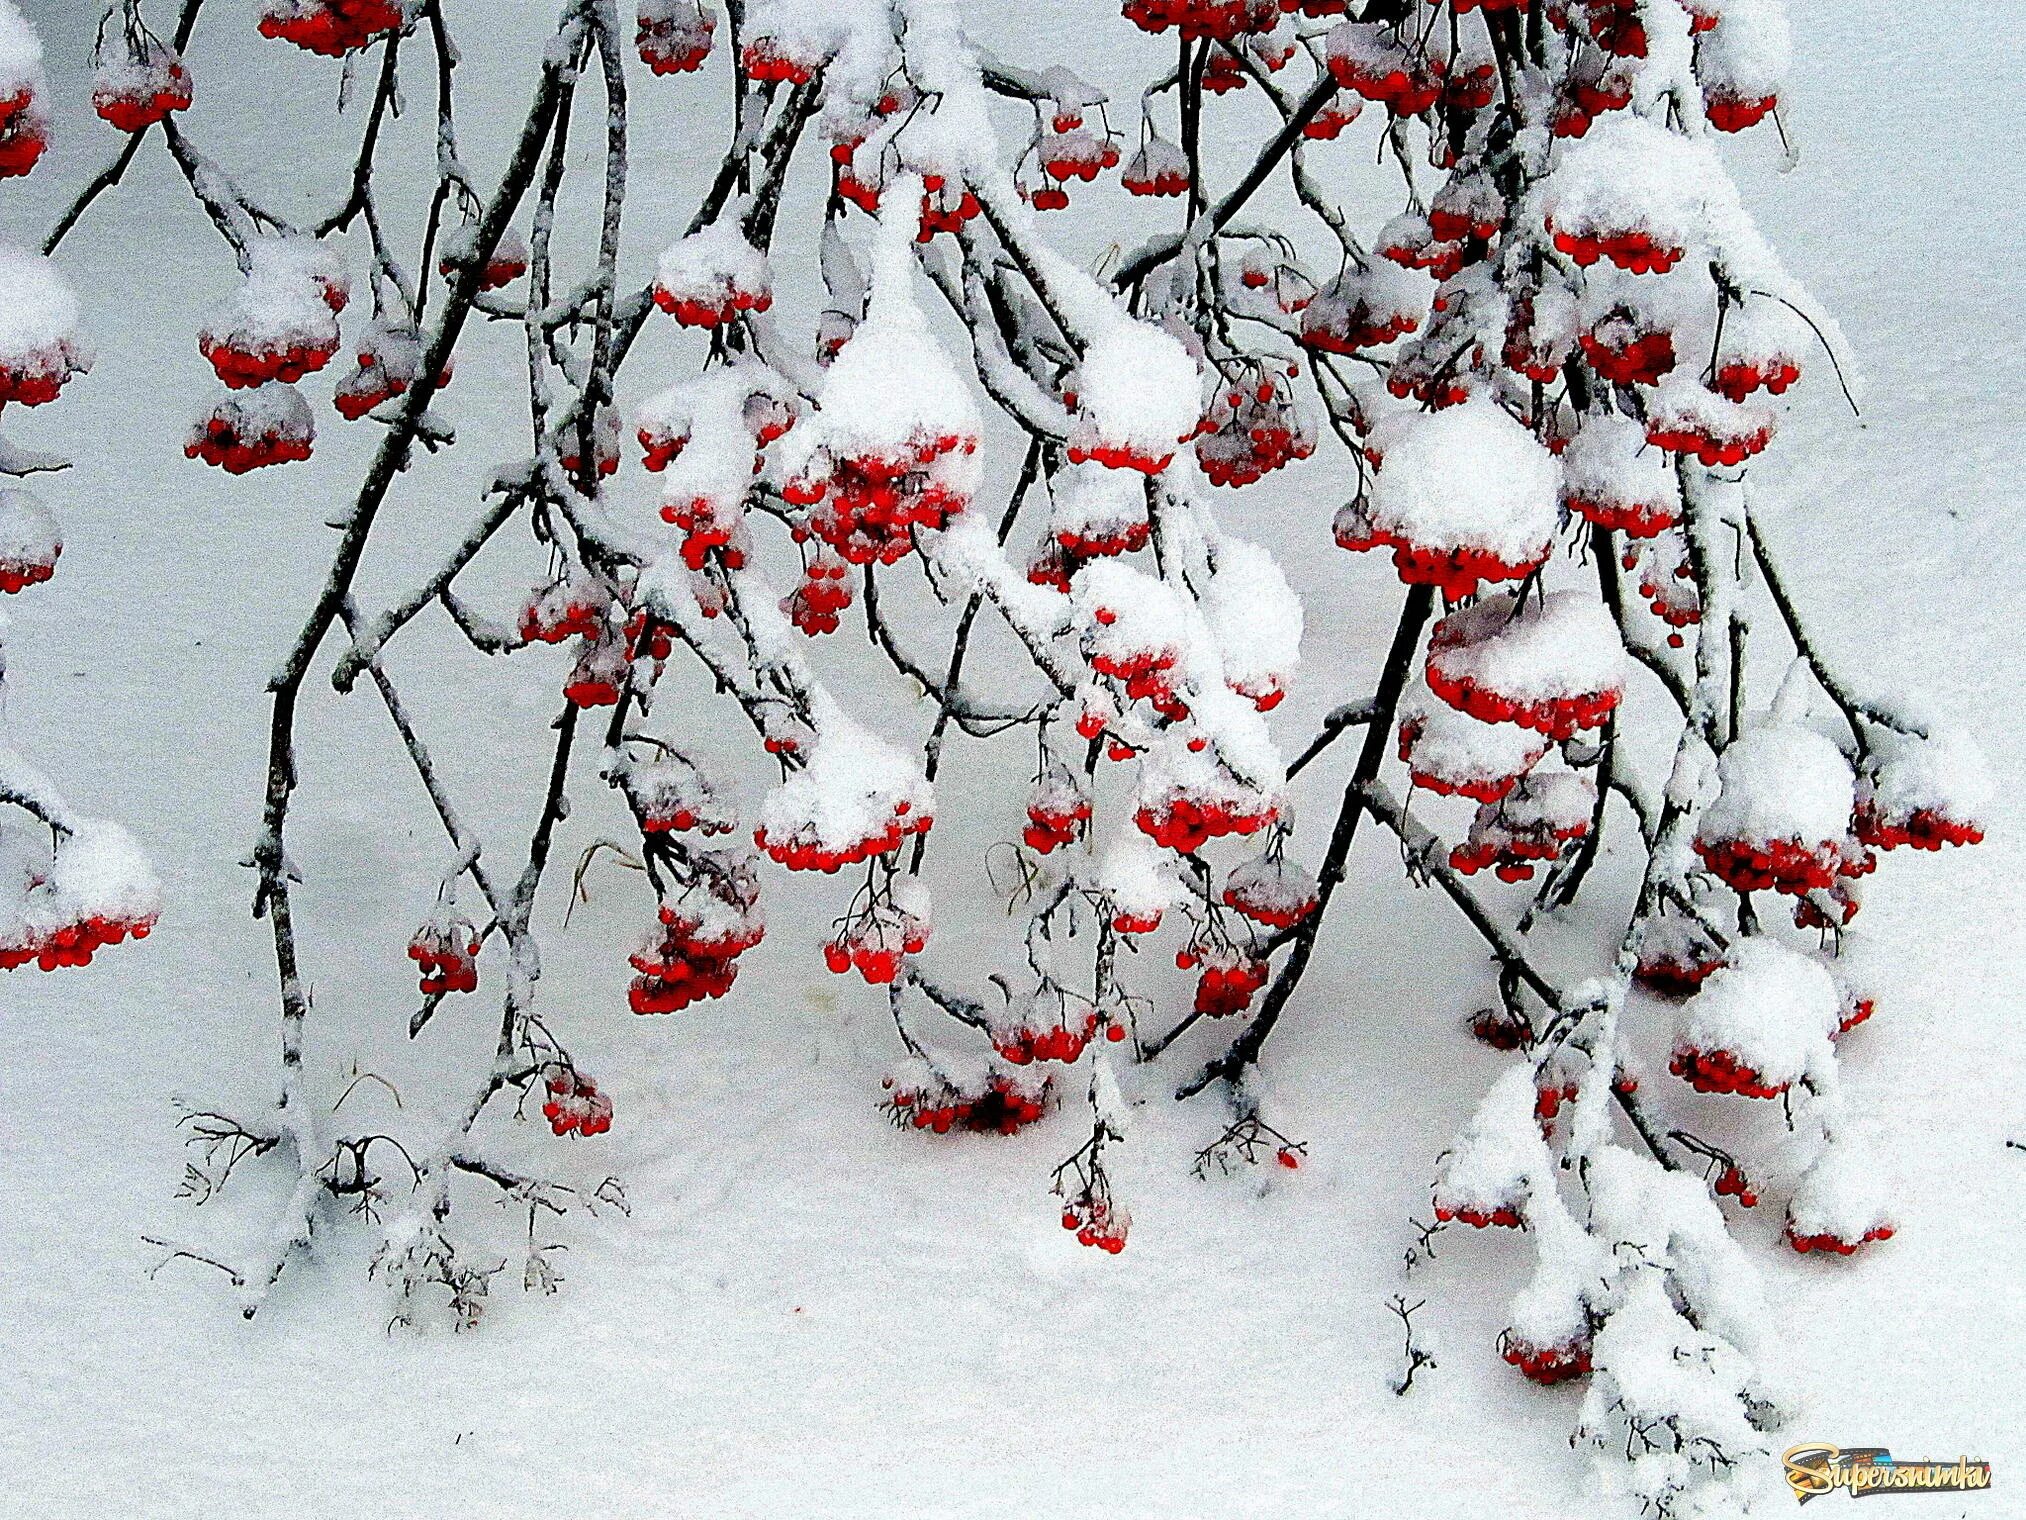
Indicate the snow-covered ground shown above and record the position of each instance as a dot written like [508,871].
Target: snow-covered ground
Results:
[806,1310]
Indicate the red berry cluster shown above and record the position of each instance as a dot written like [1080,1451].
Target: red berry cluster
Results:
[23,136]
[1785,865]
[1670,593]
[674,36]
[1229,978]
[1501,1029]
[1062,1040]
[570,606]
[1253,431]
[599,674]
[1833,1243]
[1635,519]
[1185,824]
[768,59]
[507,262]
[825,591]
[1058,812]
[1677,971]
[696,955]
[713,308]
[1732,1183]
[238,439]
[1559,717]
[1738,378]
[445,952]
[35,378]
[1921,828]
[1504,1215]
[1709,439]
[386,369]
[1159,168]
[870,504]
[1549,1096]
[1271,890]
[1004,1106]
[332,27]
[1624,351]
[574,1104]
[72,944]
[145,90]
[1072,153]
[1546,1365]
[1631,249]
[1616,26]
[1097,1222]
[1384,66]
[801,851]
[1595,86]
[1512,848]
[1342,319]
[1220,20]
[1719,1071]
[1728,112]
[874,941]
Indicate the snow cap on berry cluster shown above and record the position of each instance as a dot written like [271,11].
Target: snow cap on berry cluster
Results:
[289,299]
[1771,1009]
[98,876]
[856,790]
[1137,879]
[1612,475]
[1093,510]
[1138,396]
[1256,620]
[30,540]
[892,391]
[20,55]
[1499,1158]
[1450,752]
[1469,477]
[1780,782]
[1747,54]
[703,421]
[38,318]
[1629,175]
[714,270]
[1528,653]
[1943,773]
[1839,1203]
[850,41]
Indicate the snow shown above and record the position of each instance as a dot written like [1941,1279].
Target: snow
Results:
[713,266]
[1751,48]
[1770,1007]
[1840,1194]
[1532,649]
[748,1270]
[1628,174]
[20,53]
[29,535]
[1136,391]
[1780,781]
[1469,477]
[892,388]
[1255,618]
[1460,752]
[851,790]
[1943,772]
[1610,462]
[38,308]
